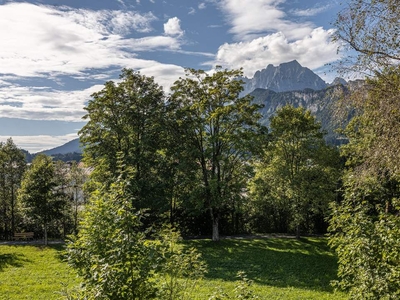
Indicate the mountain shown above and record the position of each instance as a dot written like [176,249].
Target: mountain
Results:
[321,103]
[70,147]
[337,81]
[290,76]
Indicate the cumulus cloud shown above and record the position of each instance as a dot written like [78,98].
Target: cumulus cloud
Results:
[202,5]
[173,27]
[254,18]
[312,51]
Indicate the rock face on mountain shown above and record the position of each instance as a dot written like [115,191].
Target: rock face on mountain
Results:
[321,103]
[290,76]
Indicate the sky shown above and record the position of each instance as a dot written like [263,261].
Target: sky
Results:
[55,53]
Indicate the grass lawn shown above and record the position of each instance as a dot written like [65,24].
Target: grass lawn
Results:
[33,272]
[280,268]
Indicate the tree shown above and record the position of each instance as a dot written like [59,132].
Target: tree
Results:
[76,179]
[127,118]
[12,167]
[40,194]
[116,259]
[365,226]
[298,172]
[369,28]
[110,251]
[219,130]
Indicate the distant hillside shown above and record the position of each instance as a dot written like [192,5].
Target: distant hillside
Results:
[70,147]
[321,103]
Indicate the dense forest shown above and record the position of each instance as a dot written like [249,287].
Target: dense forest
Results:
[199,162]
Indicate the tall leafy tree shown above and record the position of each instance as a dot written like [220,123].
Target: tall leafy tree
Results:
[365,227]
[41,194]
[219,130]
[127,118]
[12,167]
[298,174]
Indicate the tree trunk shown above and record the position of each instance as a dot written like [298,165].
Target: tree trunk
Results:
[12,210]
[215,229]
[45,234]
[297,231]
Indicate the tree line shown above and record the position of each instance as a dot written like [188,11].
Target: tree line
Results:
[43,197]
[198,159]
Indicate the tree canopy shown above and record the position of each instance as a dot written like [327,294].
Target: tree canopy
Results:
[298,172]
[219,130]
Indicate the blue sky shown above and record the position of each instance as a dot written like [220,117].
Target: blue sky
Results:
[54,54]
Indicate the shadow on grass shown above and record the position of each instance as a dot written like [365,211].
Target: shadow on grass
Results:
[11,259]
[306,263]
[17,257]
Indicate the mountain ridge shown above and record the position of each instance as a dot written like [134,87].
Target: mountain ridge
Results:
[287,76]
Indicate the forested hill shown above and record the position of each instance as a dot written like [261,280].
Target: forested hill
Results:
[320,102]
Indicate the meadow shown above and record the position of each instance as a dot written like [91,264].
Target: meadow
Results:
[280,268]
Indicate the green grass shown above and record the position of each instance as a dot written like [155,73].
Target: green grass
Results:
[280,268]
[33,272]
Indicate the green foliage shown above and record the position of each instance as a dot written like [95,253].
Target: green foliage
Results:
[110,251]
[127,118]
[219,130]
[180,268]
[242,289]
[365,225]
[12,167]
[297,177]
[41,194]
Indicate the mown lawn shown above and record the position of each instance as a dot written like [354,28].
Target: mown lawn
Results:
[34,272]
[281,268]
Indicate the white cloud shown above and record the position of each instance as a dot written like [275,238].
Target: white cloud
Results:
[202,5]
[37,143]
[313,51]
[192,11]
[173,27]
[45,41]
[254,18]
[310,11]
[44,103]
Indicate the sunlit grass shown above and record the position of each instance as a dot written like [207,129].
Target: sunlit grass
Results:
[34,272]
[280,268]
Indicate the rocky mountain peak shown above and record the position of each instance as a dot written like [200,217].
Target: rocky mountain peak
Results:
[338,80]
[289,76]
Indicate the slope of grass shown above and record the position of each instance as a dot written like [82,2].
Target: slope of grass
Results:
[280,268]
